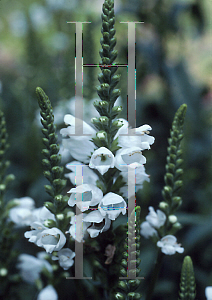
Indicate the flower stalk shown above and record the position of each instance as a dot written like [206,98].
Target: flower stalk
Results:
[53,172]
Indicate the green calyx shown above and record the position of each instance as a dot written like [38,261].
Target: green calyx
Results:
[187,282]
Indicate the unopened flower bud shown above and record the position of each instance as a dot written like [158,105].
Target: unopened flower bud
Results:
[60,216]
[177,200]
[177,226]
[117,123]
[95,120]
[172,219]
[163,205]
[3,272]
[101,135]
[50,207]
[104,120]
[49,223]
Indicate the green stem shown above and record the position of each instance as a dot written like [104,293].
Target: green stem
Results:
[155,275]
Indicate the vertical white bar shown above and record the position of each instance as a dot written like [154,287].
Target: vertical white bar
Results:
[131,78]
[78,81]
[79,227]
[131,105]
[131,271]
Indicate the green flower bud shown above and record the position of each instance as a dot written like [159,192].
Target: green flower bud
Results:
[119,296]
[58,198]
[163,206]
[134,284]
[104,120]
[134,296]
[124,263]
[49,223]
[122,285]
[50,206]
[177,200]
[177,226]
[123,272]
[95,121]
[102,135]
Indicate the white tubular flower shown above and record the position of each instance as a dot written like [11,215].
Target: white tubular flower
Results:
[169,246]
[140,177]
[80,147]
[127,156]
[102,159]
[21,214]
[112,205]
[82,233]
[37,229]
[89,195]
[156,219]
[96,217]
[147,230]
[48,293]
[137,137]
[208,292]
[41,214]
[65,257]
[51,239]
[88,175]
[25,202]
[146,140]
[30,267]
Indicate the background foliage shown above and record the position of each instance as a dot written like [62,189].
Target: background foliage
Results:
[173,66]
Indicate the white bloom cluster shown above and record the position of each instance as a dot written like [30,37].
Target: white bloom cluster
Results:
[87,196]
[51,239]
[154,221]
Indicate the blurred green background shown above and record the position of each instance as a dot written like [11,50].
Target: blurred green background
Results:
[173,66]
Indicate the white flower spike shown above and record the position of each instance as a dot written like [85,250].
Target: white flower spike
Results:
[102,159]
[169,246]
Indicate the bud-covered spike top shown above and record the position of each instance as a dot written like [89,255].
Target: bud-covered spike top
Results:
[107,78]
